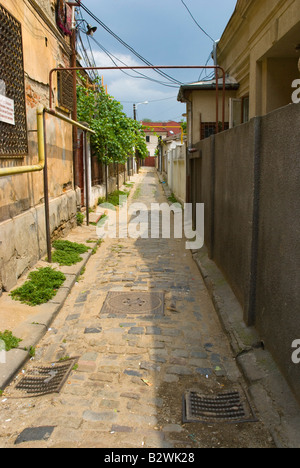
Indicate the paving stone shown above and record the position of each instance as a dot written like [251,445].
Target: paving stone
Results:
[153,331]
[94,417]
[116,428]
[180,353]
[101,377]
[89,357]
[204,371]
[150,366]
[179,370]
[34,434]
[86,366]
[133,396]
[136,331]
[133,373]
[89,331]
[82,297]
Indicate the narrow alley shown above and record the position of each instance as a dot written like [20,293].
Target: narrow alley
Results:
[134,369]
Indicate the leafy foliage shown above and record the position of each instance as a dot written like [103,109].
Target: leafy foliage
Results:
[41,287]
[117,136]
[9,340]
[68,253]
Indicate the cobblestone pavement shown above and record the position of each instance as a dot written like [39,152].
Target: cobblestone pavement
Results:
[133,369]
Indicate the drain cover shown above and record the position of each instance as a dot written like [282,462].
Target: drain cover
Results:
[43,379]
[134,303]
[230,407]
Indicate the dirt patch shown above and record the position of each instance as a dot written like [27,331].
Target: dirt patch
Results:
[204,435]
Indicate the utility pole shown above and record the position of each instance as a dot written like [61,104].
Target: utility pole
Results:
[74,112]
[136,158]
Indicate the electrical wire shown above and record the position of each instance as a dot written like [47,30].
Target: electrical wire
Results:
[140,57]
[155,100]
[113,58]
[194,19]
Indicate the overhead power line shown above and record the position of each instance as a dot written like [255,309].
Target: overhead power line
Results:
[140,57]
[138,75]
[194,19]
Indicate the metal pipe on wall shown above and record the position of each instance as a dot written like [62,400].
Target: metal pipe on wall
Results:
[8,171]
[42,164]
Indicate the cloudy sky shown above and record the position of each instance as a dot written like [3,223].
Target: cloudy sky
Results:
[163,32]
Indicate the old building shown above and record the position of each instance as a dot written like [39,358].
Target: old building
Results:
[34,38]
[260,49]
[154,131]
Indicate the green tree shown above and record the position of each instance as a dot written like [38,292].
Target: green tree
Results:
[116,136]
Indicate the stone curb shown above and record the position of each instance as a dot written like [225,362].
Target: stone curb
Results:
[270,392]
[33,330]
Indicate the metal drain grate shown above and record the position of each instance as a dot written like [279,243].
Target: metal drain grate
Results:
[230,407]
[151,303]
[43,379]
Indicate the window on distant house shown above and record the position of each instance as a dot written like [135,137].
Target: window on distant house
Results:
[209,128]
[147,139]
[13,126]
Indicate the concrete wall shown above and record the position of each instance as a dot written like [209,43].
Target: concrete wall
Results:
[278,269]
[249,180]
[177,171]
[23,238]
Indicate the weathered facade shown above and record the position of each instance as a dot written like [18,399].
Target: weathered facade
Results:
[260,48]
[43,45]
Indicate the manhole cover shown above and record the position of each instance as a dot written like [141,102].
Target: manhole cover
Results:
[229,407]
[43,379]
[134,303]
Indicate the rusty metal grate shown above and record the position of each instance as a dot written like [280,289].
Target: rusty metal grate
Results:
[229,407]
[13,138]
[149,303]
[43,379]
[65,89]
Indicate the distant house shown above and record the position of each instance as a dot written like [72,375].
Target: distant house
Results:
[259,51]
[201,107]
[154,132]
[260,48]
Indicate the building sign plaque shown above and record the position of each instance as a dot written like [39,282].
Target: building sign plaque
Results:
[7,110]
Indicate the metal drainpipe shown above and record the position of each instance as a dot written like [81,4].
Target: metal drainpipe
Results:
[46,195]
[8,171]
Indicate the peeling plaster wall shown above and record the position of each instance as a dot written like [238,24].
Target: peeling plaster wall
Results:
[22,231]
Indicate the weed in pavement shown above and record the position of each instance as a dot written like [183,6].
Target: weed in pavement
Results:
[40,288]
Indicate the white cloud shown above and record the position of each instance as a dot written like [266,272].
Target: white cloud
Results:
[126,88]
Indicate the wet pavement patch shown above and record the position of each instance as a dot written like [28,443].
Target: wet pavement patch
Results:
[32,434]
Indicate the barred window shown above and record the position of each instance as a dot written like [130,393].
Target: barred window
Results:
[13,127]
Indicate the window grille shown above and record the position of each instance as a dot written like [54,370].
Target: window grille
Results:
[13,138]
[65,90]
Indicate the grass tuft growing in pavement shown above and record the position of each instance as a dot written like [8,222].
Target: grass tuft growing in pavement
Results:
[68,253]
[113,198]
[9,340]
[40,288]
